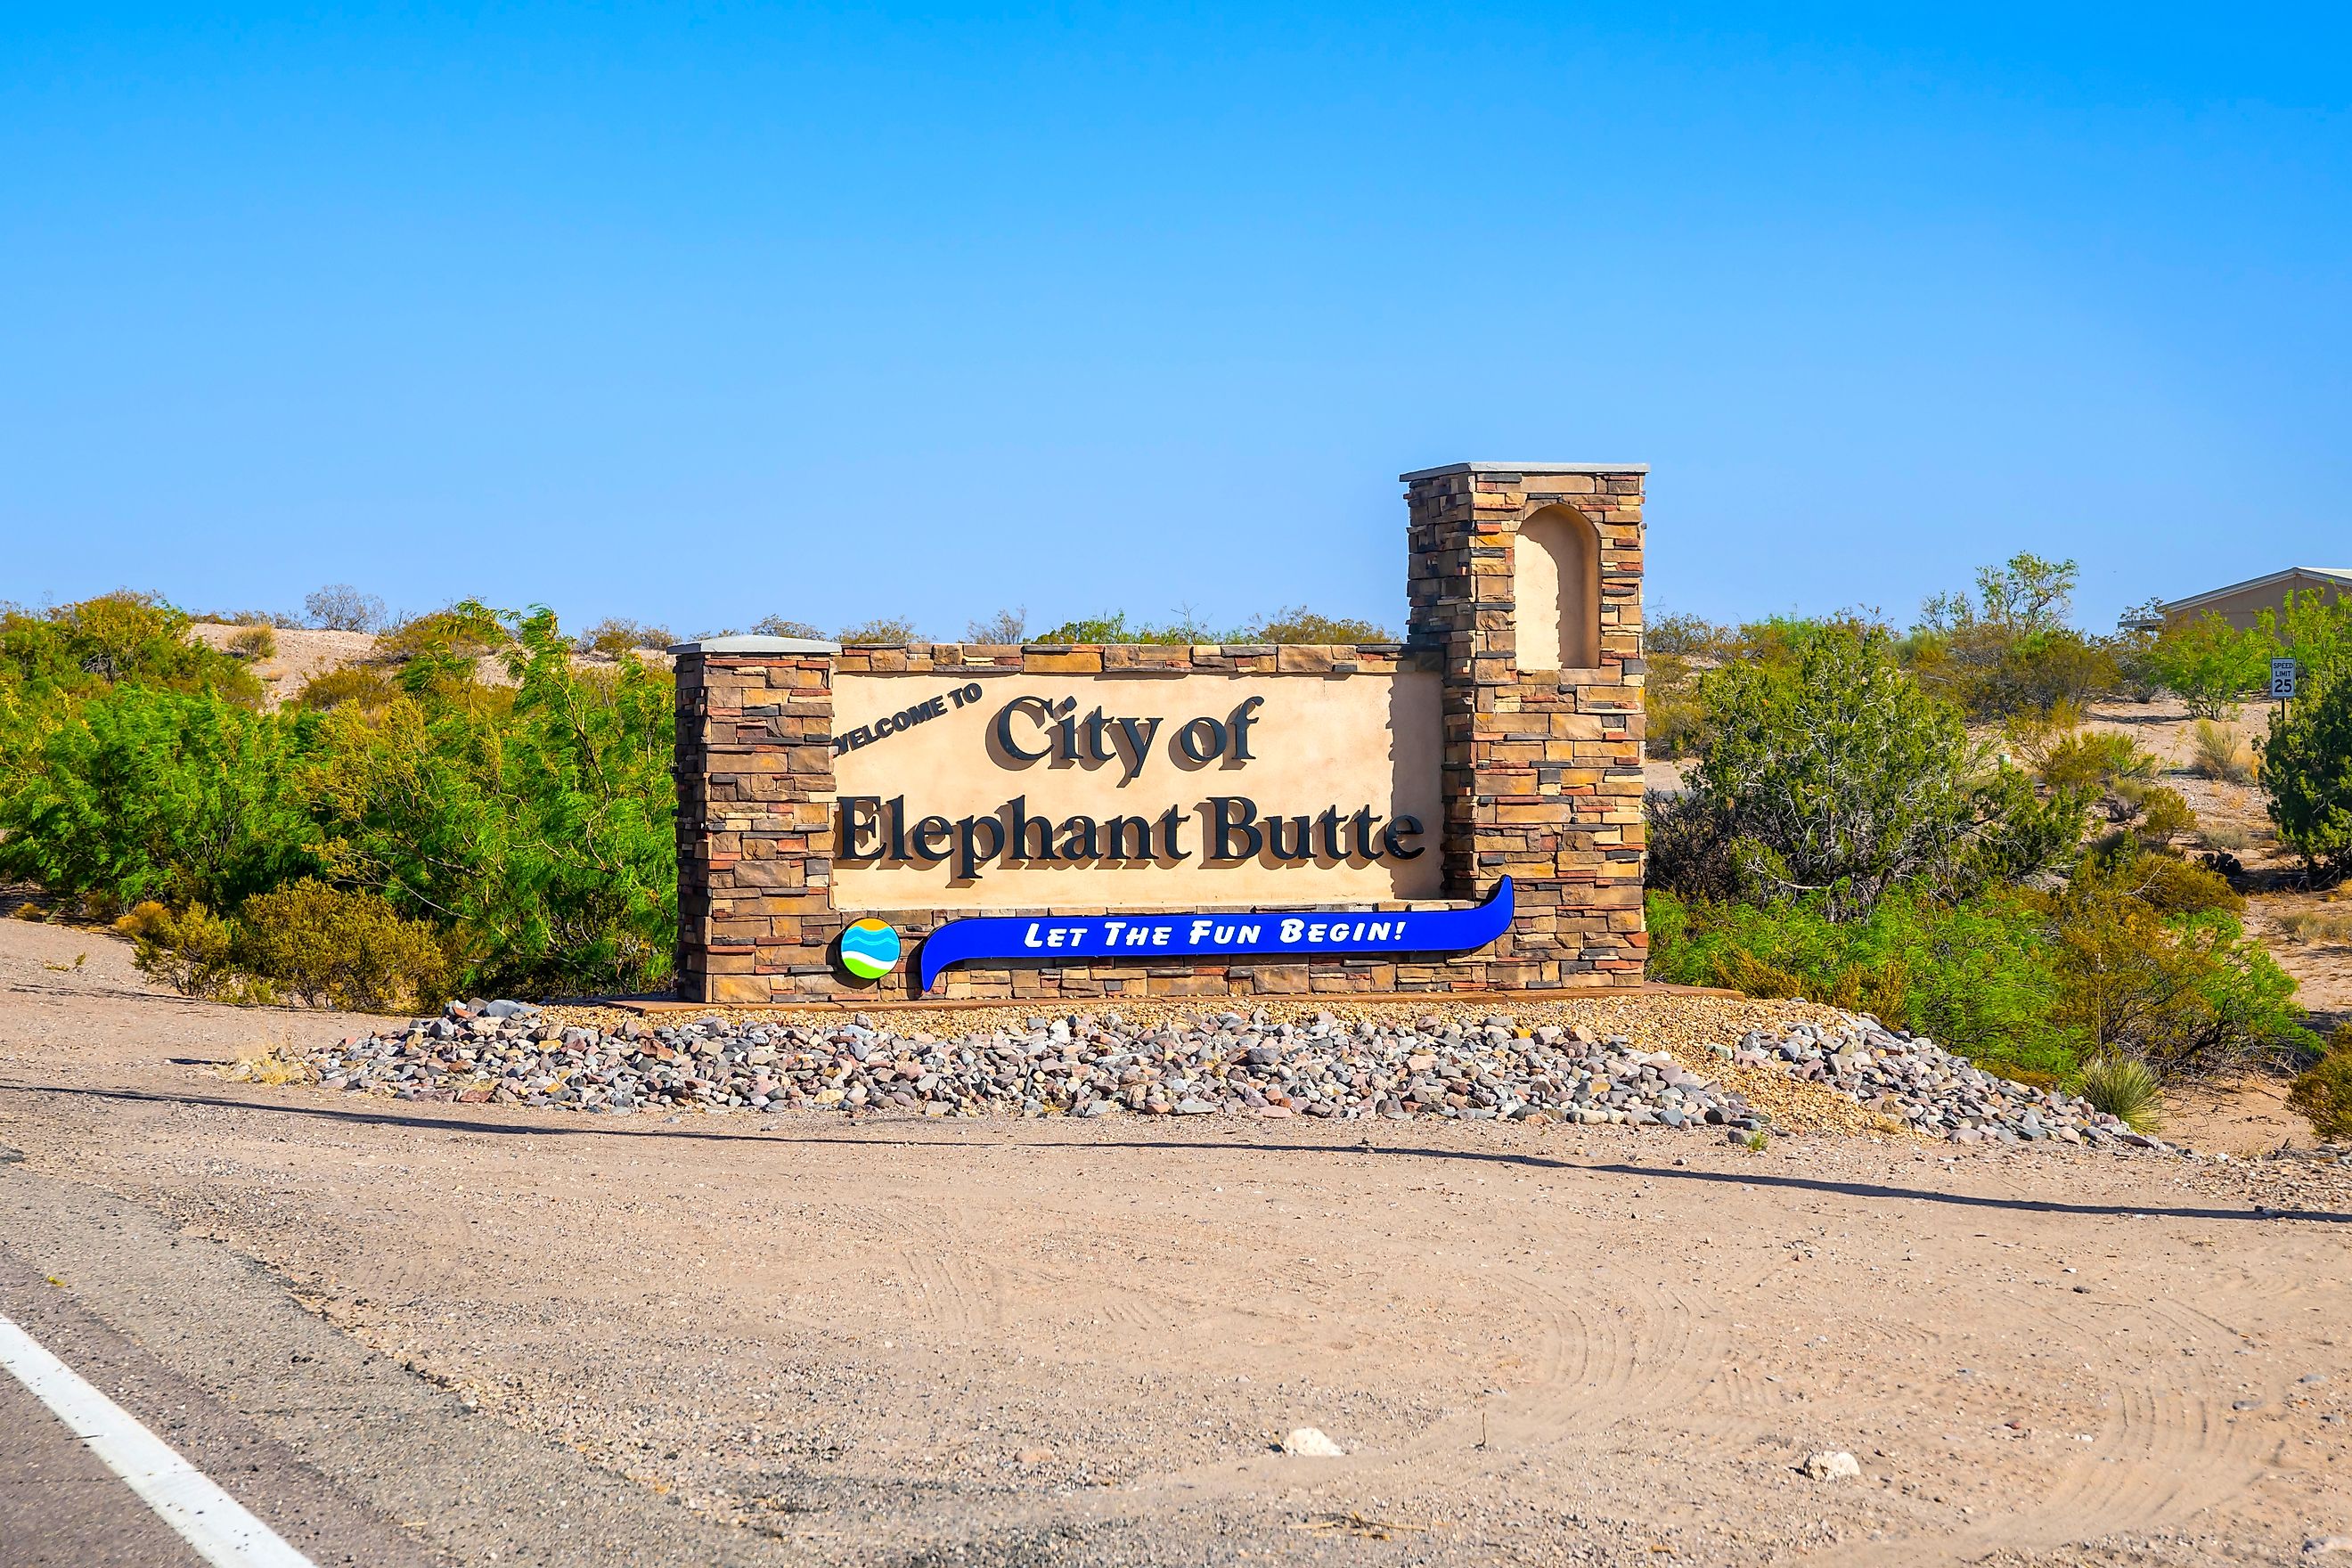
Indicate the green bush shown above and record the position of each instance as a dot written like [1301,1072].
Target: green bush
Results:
[2323,1093]
[1835,775]
[1978,977]
[2029,984]
[615,636]
[883,631]
[137,793]
[2307,773]
[2184,993]
[120,637]
[539,829]
[2209,664]
[2009,650]
[338,949]
[1299,625]
[2092,762]
[530,826]
[1295,625]
[2317,630]
[785,626]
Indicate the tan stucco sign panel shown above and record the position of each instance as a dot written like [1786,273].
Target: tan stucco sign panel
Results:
[1098,791]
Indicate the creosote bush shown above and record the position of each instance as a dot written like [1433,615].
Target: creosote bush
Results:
[254,643]
[189,951]
[340,948]
[2323,1093]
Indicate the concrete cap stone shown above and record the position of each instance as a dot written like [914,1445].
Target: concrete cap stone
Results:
[747,642]
[1446,469]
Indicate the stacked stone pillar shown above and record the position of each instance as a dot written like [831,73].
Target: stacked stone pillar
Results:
[754,829]
[1543,768]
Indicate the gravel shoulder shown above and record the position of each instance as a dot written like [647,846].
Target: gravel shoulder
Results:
[999,1339]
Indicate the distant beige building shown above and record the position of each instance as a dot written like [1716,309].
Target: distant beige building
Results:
[2241,603]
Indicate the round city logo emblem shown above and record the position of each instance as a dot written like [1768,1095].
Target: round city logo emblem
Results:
[869,949]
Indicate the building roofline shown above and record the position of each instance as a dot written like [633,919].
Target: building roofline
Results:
[2340,576]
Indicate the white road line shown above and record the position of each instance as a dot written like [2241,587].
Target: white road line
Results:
[220,1530]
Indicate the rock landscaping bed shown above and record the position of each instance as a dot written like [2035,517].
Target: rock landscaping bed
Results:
[1835,1072]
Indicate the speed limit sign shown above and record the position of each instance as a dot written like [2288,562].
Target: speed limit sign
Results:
[2281,679]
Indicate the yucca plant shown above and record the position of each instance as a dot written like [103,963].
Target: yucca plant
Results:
[2126,1088]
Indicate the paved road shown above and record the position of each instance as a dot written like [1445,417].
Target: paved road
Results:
[352,1460]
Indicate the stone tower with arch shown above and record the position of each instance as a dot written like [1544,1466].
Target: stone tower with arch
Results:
[1527,576]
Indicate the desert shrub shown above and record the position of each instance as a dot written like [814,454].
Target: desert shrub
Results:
[137,793]
[781,627]
[2089,761]
[614,635]
[1836,775]
[254,643]
[2168,884]
[2157,812]
[883,631]
[1686,637]
[340,948]
[2008,650]
[2209,664]
[1297,623]
[1006,628]
[1978,977]
[340,607]
[2040,669]
[272,618]
[2126,1089]
[123,636]
[2307,773]
[2140,953]
[2219,753]
[2184,993]
[1113,628]
[2323,1093]
[1676,723]
[189,951]
[359,684]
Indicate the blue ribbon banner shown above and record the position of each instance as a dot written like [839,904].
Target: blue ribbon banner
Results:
[1080,939]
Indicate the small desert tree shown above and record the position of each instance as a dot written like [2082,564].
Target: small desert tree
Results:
[340,607]
[2208,663]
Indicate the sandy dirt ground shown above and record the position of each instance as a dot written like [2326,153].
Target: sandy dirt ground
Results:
[1049,1341]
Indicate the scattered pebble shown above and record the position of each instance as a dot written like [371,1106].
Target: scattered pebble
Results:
[1310,1442]
[1832,1465]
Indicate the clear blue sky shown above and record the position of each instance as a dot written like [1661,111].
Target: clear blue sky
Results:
[696,314]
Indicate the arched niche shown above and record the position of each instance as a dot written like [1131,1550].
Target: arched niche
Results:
[1556,586]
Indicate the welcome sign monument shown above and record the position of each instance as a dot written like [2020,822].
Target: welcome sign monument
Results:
[1462,810]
